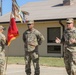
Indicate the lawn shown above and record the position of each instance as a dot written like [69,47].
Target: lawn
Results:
[52,61]
[44,61]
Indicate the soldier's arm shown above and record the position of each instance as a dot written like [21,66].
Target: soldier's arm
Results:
[3,40]
[62,40]
[24,39]
[40,38]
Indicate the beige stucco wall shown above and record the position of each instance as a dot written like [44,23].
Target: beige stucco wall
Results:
[42,27]
[16,47]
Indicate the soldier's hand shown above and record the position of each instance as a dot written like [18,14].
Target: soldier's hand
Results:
[32,45]
[72,41]
[57,40]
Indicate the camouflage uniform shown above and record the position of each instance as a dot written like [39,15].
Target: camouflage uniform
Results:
[70,51]
[2,53]
[32,39]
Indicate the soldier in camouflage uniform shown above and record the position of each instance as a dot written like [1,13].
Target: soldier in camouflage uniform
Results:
[2,51]
[32,38]
[69,39]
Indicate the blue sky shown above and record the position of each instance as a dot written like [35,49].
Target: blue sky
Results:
[6,4]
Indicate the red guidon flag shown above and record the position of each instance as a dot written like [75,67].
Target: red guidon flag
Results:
[12,31]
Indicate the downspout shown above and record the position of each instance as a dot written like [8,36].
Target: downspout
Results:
[62,25]
[60,22]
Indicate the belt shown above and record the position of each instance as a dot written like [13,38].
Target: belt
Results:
[31,51]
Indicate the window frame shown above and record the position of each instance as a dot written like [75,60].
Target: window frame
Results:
[53,43]
[48,33]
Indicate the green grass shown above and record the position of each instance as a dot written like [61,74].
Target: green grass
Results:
[52,61]
[15,60]
[44,61]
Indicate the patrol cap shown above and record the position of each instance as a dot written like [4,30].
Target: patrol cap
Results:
[1,27]
[69,20]
[30,22]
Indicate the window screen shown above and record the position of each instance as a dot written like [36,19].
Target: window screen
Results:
[52,33]
[53,49]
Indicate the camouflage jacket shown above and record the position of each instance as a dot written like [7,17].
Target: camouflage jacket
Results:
[32,39]
[2,42]
[68,34]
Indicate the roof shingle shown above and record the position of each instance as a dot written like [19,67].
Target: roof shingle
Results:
[45,10]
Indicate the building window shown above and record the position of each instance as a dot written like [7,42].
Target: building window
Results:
[52,33]
[54,49]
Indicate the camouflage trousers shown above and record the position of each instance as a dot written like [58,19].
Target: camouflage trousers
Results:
[2,63]
[70,60]
[34,56]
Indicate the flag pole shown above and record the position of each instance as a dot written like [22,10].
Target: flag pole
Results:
[6,63]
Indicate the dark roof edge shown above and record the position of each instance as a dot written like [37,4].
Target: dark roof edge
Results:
[8,22]
[52,19]
[39,20]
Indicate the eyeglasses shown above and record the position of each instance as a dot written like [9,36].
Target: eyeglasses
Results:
[28,24]
[68,23]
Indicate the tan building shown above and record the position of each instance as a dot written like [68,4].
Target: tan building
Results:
[48,15]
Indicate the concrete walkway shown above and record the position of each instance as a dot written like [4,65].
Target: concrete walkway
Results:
[14,69]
